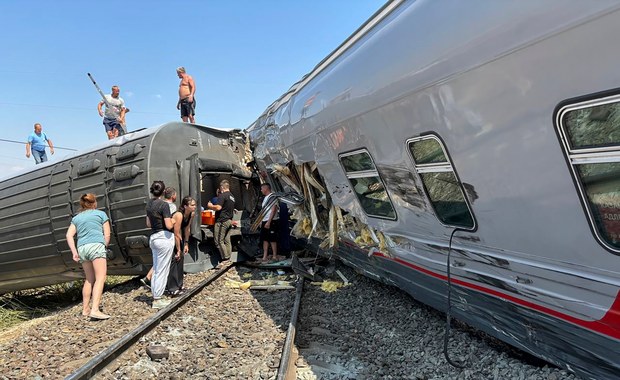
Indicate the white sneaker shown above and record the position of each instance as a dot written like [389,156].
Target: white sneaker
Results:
[161,303]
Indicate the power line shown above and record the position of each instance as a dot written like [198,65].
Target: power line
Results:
[23,143]
[14,158]
[76,108]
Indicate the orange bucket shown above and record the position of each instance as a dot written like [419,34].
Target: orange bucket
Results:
[208,217]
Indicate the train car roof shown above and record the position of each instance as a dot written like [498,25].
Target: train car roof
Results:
[131,136]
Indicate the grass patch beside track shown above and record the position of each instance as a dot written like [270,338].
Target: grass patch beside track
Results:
[25,305]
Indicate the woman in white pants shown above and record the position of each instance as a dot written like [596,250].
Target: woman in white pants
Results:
[160,221]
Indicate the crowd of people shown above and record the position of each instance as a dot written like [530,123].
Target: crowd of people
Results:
[170,233]
[112,109]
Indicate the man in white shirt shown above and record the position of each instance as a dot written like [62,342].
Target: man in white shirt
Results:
[114,115]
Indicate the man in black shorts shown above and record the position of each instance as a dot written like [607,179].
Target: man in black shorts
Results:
[187,102]
[269,224]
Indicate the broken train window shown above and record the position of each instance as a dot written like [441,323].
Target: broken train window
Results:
[590,135]
[440,182]
[367,184]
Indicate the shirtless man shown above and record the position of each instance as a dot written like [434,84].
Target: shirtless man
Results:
[114,116]
[187,102]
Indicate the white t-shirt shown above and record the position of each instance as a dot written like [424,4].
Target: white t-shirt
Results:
[173,207]
[268,213]
[115,107]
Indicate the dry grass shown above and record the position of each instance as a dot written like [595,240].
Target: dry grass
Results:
[26,305]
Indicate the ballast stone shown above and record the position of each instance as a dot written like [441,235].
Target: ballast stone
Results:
[157,352]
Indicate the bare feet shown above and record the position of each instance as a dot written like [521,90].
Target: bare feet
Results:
[99,316]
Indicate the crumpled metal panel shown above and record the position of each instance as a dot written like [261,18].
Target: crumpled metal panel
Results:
[530,274]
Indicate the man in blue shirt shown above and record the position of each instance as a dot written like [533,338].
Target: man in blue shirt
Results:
[36,144]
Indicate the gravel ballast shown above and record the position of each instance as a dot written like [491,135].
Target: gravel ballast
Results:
[366,330]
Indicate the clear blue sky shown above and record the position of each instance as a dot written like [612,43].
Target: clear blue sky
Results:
[242,54]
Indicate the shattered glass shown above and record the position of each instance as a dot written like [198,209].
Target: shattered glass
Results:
[447,198]
[602,185]
[357,162]
[373,197]
[427,151]
[597,126]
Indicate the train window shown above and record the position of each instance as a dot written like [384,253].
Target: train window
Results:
[591,127]
[427,151]
[357,162]
[602,188]
[590,136]
[367,184]
[440,182]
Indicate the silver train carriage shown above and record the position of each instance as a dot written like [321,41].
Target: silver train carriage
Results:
[482,139]
[37,205]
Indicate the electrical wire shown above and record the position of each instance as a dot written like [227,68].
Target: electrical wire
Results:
[23,143]
[14,158]
[74,108]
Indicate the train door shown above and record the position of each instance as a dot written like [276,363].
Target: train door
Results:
[200,249]
[61,209]
[89,174]
[126,195]
[204,177]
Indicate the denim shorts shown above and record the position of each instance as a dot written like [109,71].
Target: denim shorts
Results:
[111,124]
[39,156]
[91,251]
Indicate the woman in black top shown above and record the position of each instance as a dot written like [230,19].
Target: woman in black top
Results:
[160,221]
[182,221]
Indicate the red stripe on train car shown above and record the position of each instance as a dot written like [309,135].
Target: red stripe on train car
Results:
[608,325]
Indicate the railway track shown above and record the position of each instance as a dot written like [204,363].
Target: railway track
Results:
[113,362]
[363,331]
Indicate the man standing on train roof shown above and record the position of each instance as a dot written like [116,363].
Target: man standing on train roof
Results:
[114,116]
[187,102]
[36,144]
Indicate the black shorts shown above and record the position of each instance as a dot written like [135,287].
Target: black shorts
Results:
[270,234]
[188,108]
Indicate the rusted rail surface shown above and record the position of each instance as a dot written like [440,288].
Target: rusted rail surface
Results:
[286,370]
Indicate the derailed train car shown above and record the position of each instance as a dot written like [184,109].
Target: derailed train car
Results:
[37,205]
[469,153]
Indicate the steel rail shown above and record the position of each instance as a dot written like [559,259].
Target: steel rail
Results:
[104,358]
[286,365]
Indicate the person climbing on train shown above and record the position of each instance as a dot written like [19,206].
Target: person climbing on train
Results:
[182,222]
[93,236]
[159,219]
